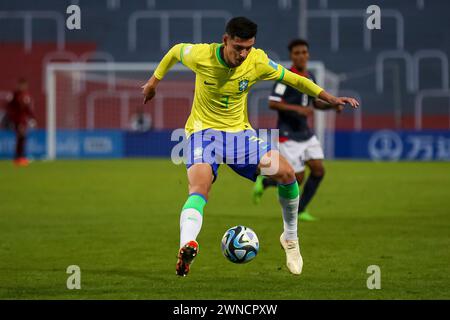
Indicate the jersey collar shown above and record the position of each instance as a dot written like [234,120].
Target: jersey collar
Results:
[303,74]
[219,58]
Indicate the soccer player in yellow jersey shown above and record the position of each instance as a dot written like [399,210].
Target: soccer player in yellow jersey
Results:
[224,75]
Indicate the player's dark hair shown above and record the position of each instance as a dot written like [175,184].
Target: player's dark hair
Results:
[297,42]
[241,27]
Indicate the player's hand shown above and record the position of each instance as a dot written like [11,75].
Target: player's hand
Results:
[342,101]
[337,102]
[32,123]
[148,91]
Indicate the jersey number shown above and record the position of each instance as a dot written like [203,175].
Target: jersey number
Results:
[224,101]
[305,99]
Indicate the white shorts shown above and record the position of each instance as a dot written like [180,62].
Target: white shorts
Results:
[297,153]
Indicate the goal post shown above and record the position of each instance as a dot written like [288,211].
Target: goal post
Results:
[84,98]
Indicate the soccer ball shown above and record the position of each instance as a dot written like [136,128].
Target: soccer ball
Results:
[240,244]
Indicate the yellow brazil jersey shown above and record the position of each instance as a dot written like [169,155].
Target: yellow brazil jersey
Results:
[220,98]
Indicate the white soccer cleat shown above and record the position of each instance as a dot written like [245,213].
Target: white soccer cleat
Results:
[294,260]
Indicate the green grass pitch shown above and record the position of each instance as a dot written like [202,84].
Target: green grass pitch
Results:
[119,221]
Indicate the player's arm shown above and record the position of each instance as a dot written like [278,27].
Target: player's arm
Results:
[282,106]
[322,105]
[32,122]
[308,87]
[269,70]
[29,108]
[277,101]
[174,55]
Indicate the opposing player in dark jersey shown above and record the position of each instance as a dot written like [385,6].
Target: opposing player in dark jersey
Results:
[298,144]
[19,112]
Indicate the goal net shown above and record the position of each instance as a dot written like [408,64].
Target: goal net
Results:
[90,105]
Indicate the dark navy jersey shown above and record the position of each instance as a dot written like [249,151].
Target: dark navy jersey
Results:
[293,125]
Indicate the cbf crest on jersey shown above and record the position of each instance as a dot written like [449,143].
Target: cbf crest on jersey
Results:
[243,85]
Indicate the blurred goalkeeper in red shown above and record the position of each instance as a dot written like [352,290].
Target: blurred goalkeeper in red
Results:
[19,112]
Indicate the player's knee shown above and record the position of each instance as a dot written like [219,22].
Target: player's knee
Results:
[318,172]
[286,175]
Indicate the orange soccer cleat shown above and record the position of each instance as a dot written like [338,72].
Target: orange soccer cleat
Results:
[186,256]
[21,162]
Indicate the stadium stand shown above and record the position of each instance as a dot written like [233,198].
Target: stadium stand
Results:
[390,70]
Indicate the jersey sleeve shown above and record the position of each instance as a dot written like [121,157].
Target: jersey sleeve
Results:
[312,77]
[301,84]
[270,70]
[266,68]
[182,52]
[278,92]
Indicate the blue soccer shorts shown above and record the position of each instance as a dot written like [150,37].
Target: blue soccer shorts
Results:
[241,151]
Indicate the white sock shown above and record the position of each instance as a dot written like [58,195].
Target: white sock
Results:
[190,225]
[290,217]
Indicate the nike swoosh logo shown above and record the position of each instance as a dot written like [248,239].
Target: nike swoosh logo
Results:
[209,83]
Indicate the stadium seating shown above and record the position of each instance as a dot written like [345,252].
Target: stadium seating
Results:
[143,30]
